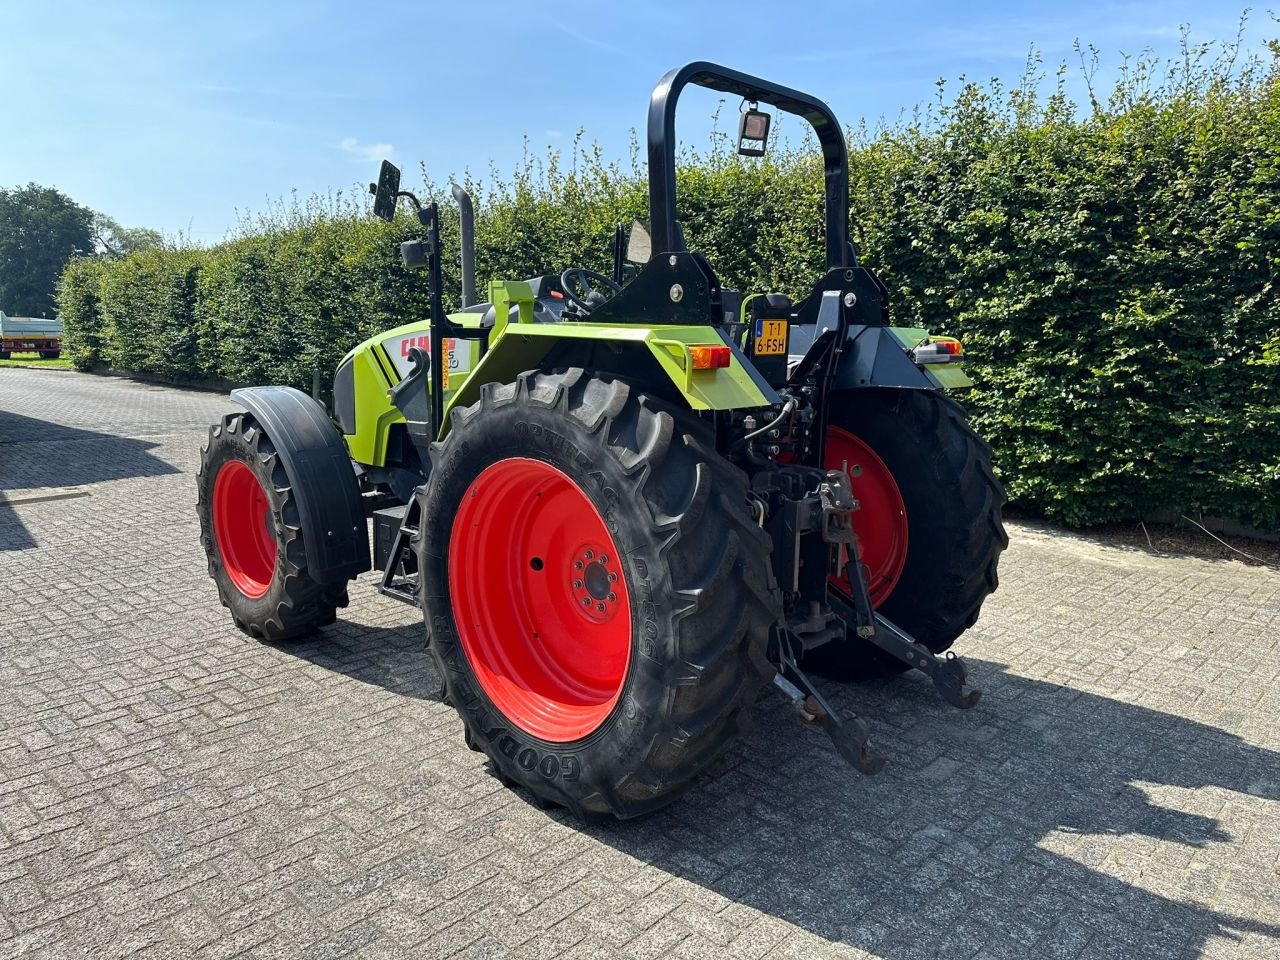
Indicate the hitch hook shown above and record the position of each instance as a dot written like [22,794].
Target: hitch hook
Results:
[947,672]
[851,738]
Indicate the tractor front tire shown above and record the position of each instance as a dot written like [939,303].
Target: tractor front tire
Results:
[598,599]
[929,524]
[253,538]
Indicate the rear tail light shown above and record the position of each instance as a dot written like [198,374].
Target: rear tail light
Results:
[939,350]
[708,357]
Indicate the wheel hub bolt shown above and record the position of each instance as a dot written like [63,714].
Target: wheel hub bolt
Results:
[592,583]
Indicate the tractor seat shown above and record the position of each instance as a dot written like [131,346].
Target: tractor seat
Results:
[548,303]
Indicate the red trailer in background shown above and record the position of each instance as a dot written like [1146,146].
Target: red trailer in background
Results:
[30,335]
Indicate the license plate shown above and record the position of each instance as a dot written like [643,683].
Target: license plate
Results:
[771,338]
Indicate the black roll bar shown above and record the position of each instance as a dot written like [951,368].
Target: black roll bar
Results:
[662,147]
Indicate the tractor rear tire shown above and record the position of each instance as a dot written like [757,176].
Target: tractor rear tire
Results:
[598,599]
[5,354]
[932,578]
[253,537]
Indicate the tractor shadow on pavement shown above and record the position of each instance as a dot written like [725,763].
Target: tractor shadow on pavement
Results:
[394,658]
[1046,822]
[1041,823]
[38,454]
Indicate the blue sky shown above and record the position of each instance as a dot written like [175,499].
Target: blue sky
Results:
[175,115]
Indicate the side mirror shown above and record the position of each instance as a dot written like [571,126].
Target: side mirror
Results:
[386,191]
[639,244]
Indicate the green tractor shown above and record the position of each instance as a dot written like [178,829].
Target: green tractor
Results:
[625,504]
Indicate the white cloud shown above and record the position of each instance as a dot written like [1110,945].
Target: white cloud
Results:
[553,134]
[587,39]
[367,152]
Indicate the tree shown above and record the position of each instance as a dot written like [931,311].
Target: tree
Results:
[113,240]
[40,230]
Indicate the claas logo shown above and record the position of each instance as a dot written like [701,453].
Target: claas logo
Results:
[423,343]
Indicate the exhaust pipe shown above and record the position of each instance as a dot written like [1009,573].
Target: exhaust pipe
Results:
[467,223]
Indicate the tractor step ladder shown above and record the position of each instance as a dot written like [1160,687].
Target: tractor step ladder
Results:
[394,529]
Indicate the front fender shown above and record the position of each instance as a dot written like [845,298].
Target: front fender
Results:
[322,478]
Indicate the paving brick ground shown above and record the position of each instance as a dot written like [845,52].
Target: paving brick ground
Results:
[168,788]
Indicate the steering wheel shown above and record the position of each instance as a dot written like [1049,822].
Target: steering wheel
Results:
[586,289]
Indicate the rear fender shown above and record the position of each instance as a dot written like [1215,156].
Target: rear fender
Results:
[881,357]
[618,348]
[320,472]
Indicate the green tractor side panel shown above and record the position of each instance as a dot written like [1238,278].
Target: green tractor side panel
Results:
[371,382]
[379,364]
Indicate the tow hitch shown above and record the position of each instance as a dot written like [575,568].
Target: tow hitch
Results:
[851,737]
[833,501]
[947,672]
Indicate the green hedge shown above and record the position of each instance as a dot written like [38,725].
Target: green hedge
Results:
[80,308]
[147,303]
[1112,271]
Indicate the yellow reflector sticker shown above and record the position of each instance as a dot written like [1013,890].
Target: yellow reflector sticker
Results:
[771,338]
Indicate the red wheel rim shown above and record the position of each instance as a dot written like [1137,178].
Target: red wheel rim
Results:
[540,599]
[242,529]
[881,523]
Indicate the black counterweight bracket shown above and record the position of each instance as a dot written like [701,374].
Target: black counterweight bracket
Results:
[851,737]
